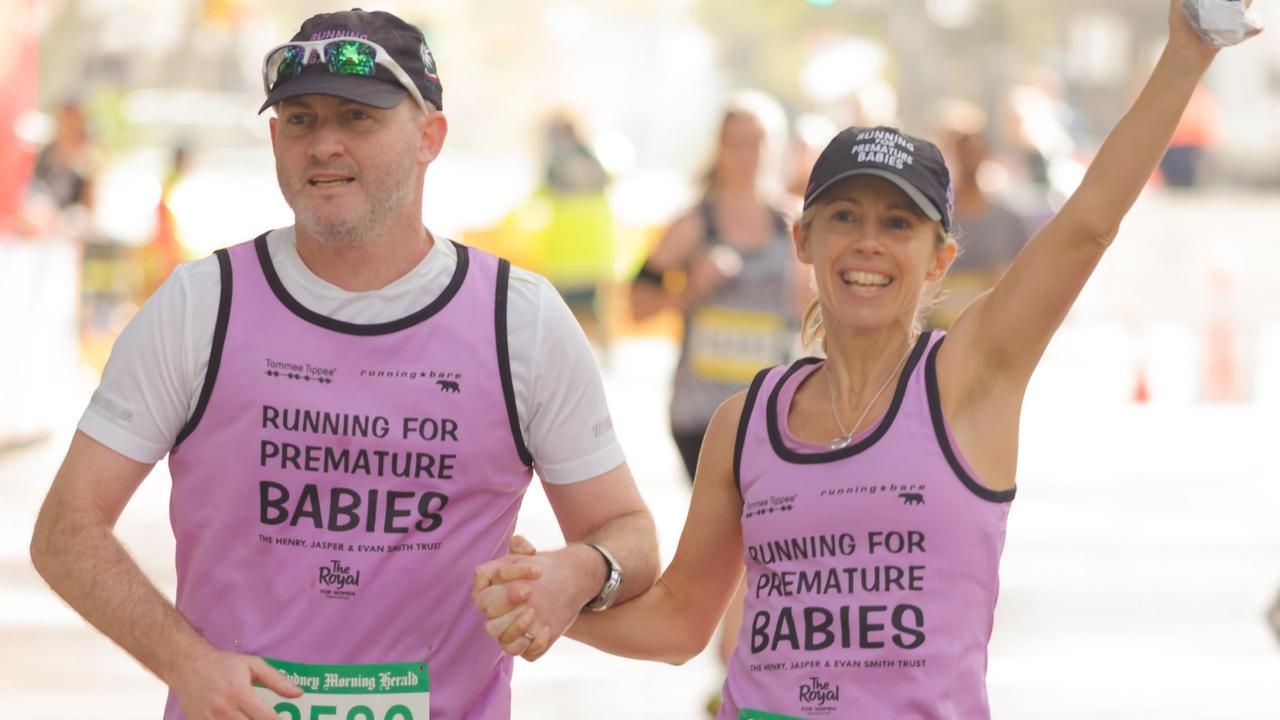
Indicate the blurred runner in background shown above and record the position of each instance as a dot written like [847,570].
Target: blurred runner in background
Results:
[990,233]
[726,267]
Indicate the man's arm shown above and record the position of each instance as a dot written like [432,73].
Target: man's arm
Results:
[76,551]
[585,476]
[608,510]
[555,586]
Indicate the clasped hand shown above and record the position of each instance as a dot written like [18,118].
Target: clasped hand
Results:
[529,599]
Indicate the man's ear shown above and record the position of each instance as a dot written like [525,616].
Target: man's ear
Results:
[434,127]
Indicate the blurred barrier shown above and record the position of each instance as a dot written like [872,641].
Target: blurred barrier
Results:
[38,338]
[1189,289]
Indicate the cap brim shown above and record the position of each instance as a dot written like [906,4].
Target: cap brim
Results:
[916,196]
[367,91]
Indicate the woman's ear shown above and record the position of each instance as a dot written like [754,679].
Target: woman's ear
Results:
[800,238]
[942,258]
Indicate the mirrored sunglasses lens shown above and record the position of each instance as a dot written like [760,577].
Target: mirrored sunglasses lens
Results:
[350,58]
[285,63]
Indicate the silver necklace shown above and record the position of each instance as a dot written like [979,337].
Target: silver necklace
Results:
[847,437]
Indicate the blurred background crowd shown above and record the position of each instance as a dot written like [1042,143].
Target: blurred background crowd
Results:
[579,130]
[129,142]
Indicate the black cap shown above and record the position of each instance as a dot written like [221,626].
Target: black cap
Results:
[913,164]
[404,42]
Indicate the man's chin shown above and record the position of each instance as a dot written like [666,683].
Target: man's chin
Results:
[332,231]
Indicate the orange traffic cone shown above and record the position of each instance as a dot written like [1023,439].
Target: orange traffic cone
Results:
[1222,352]
[1141,391]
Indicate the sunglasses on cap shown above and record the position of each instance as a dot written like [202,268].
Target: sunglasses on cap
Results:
[343,56]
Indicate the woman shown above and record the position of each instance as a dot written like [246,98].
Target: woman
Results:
[868,492]
[735,256]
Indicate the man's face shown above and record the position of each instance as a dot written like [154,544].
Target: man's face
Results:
[347,168]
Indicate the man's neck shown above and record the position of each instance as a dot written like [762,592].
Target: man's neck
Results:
[369,264]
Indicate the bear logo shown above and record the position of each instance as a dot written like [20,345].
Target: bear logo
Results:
[449,386]
[910,498]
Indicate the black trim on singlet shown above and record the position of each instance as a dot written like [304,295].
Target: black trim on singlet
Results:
[807,458]
[711,234]
[940,430]
[748,406]
[711,238]
[215,350]
[504,362]
[347,328]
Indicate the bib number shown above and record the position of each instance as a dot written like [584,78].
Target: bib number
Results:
[396,691]
[733,345]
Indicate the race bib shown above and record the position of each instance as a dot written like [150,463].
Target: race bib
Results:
[749,714]
[397,691]
[728,345]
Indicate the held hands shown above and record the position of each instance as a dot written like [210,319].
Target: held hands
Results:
[531,599]
[219,685]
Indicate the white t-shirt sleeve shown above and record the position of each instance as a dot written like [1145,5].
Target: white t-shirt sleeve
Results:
[564,416]
[156,369]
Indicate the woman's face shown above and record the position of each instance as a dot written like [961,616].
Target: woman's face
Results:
[872,252]
[741,145]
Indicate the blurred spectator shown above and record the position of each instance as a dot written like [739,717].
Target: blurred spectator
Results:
[19,61]
[1039,124]
[63,182]
[810,133]
[576,240]
[64,172]
[725,265]
[36,280]
[1197,134]
[991,234]
[165,250]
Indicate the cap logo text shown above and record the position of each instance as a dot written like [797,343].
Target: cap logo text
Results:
[330,34]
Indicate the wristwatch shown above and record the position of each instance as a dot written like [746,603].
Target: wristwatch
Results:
[612,581]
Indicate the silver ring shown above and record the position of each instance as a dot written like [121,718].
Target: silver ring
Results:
[528,637]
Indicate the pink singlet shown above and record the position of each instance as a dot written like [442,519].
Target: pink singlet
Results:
[872,571]
[339,483]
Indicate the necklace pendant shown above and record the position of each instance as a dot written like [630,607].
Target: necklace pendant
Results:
[840,443]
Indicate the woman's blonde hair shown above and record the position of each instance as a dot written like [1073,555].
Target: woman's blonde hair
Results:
[811,328]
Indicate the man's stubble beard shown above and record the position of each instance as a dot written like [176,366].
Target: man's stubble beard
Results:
[386,198]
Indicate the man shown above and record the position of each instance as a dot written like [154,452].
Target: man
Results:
[351,408]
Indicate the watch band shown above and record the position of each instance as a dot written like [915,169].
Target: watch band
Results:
[611,582]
